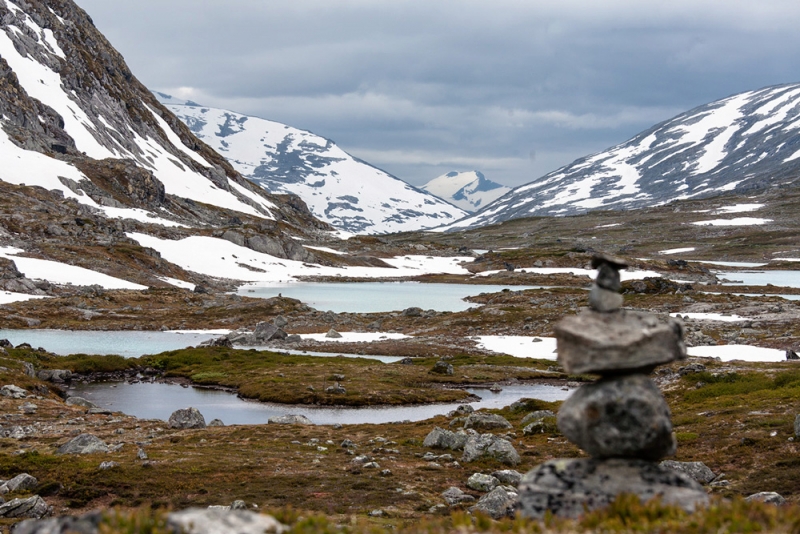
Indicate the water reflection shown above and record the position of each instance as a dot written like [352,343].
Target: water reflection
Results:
[158,401]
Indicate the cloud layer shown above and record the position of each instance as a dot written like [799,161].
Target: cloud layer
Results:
[417,87]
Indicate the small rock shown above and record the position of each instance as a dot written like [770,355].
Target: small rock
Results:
[290,420]
[691,368]
[481,482]
[508,476]
[348,444]
[443,368]
[210,521]
[80,401]
[454,496]
[491,446]
[406,361]
[83,444]
[333,334]
[336,390]
[538,415]
[34,507]
[412,312]
[28,408]
[498,503]
[108,465]
[238,505]
[791,355]
[140,454]
[13,392]
[216,422]
[487,421]
[280,321]
[603,300]
[386,473]
[187,418]
[769,497]
[697,470]
[377,513]
[371,465]
[22,482]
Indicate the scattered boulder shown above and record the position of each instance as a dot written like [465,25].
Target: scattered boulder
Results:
[336,389]
[290,420]
[22,482]
[454,496]
[54,375]
[268,332]
[624,416]
[691,368]
[28,369]
[487,421]
[791,355]
[105,466]
[570,487]
[13,392]
[499,503]
[83,444]
[280,321]
[333,334]
[481,482]
[211,521]
[439,438]
[80,401]
[490,446]
[464,409]
[140,454]
[187,418]
[34,507]
[443,368]
[28,408]
[216,422]
[412,312]
[508,476]
[6,344]
[538,415]
[697,470]
[87,524]
[769,497]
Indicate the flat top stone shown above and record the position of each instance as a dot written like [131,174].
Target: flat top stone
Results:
[614,262]
[624,340]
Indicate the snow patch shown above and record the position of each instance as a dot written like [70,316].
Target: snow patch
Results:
[520,346]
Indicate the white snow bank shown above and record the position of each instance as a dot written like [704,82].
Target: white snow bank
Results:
[739,208]
[739,352]
[520,346]
[326,249]
[177,283]
[218,332]
[738,221]
[712,317]
[677,250]
[138,215]
[220,258]
[62,273]
[577,271]
[785,259]
[7,297]
[356,337]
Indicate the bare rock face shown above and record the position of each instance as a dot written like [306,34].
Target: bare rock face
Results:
[594,342]
[623,417]
[187,418]
[569,487]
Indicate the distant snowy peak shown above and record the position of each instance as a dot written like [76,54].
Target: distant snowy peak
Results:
[746,141]
[469,191]
[339,189]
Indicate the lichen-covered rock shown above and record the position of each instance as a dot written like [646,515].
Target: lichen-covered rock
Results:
[290,420]
[454,496]
[34,507]
[482,482]
[538,415]
[443,368]
[490,446]
[498,503]
[83,444]
[216,422]
[594,342]
[769,497]
[620,417]
[439,438]
[80,401]
[569,487]
[697,470]
[21,482]
[187,418]
[508,476]
[487,421]
[13,392]
[87,524]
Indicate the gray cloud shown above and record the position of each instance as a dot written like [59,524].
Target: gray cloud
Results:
[420,88]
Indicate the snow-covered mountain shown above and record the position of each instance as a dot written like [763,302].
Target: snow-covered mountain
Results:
[339,189]
[747,141]
[469,191]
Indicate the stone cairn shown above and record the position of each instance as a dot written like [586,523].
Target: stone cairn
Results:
[622,421]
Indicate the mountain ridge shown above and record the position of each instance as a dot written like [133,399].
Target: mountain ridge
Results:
[468,190]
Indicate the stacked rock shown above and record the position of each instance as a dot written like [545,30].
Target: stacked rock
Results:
[622,420]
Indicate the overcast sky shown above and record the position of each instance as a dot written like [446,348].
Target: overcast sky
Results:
[514,89]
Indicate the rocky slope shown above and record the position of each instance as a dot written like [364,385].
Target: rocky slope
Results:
[339,189]
[88,155]
[741,143]
[470,191]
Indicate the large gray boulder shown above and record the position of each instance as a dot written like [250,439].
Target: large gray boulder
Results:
[482,482]
[83,444]
[568,487]
[87,524]
[697,470]
[509,477]
[769,497]
[268,332]
[54,375]
[187,418]
[454,496]
[80,401]
[490,446]
[594,342]
[439,438]
[498,503]
[487,421]
[290,420]
[538,415]
[620,417]
[13,392]
[218,521]
[34,507]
